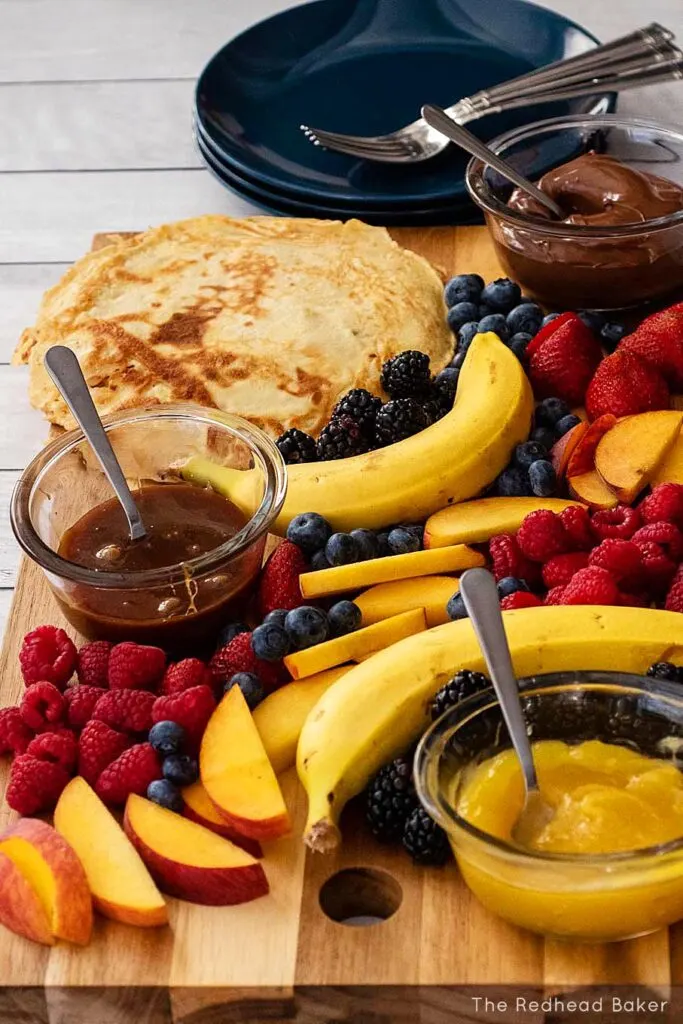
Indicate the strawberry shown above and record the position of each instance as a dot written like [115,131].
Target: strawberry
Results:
[623,385]
[279,583]
[659,341]
[563,361]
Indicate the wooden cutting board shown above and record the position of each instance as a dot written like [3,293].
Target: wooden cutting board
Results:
[435,961]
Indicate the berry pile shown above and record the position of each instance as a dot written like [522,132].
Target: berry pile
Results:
[531,470]
[313,536]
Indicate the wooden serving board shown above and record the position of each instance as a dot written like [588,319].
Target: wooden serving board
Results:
[281,958]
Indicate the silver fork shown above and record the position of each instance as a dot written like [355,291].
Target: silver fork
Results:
[644,57]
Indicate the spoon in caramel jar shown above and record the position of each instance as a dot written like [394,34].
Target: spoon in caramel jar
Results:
[480,595]
[65,370]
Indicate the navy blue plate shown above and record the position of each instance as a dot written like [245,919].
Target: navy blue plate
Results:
[366,66]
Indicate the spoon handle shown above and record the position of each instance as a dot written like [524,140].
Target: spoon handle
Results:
[439,120]
[478,589]
[64,369]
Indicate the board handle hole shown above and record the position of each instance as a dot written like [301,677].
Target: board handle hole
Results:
[359,897]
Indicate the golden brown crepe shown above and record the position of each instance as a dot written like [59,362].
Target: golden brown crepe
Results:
[269,318]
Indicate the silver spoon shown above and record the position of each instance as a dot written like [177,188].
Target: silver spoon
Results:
[439,120]
[65,370]
[479,593]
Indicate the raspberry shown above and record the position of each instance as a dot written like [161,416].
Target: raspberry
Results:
[135,667]
[192,709]
[279,582]
[542,535]
[186,674]
[127,710]
[659,569]
[41,706]
[237,656]
[559,570]
[621,522]
[520,599]
[555,596]
[637,600]
[622,560]
[665,504]
[92,663]
[58,747]
[15,735]
[508,560]
[668,536]
[98,746]
[674,599]
[131,772]
[591,586]
[34,785]
[577,523]
[80,704]
[47,655]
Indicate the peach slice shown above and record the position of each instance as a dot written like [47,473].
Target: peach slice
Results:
[357,575]
[21,908]
[628,456]
[121,886]
[189,861]
[200,809]
[356,646]
[53,870]
[475,522]
[670,469]
[236,773]
[562,450]
[387,599]
[582,458]
[591,489]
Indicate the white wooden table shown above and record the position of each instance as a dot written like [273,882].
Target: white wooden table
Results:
[95,113]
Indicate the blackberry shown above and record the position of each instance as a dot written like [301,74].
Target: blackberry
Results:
[425,841]
[389,800]
[341,438]
[398,419]
[666,670]
[360,406]
[296,446]
[457,689]
[406,375]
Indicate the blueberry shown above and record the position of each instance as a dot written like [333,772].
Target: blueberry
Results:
[319,560]
[513,483]
[167,738]
[612,334]
[565,424]
[341,549]
[367,543]
[485,310]
[180,769]
[502,294]
[463,288]
[383,543]
[250,685]
[549,319]
[309,531]
[402,541]
[306,626]
[466,334]
[519,343]
[544,436]
[229,632]
[455,609]
[277,617]
[496,323]
[526,317]
[550,411]
[460,314]
[448,377]
[529,452]
[270,642]
[458,359]
[164,793]
[510,585]
[542,478]
[344,617]
[592,319]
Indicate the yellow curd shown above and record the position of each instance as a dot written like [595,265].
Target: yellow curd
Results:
[607,800]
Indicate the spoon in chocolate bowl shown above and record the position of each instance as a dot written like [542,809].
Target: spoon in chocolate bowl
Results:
[480,595]
[65,370]
[438,119]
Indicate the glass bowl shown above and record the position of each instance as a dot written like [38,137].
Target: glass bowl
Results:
[592,898]
[568,266]
[178,606]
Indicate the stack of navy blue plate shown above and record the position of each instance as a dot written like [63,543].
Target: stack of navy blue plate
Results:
[365,67]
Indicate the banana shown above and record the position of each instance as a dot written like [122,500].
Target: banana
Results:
[455,458]
[379,708]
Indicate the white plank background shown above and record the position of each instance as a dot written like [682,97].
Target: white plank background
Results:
[95,115]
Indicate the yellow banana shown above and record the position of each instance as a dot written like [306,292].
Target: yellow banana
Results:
[454,459]
[380,707]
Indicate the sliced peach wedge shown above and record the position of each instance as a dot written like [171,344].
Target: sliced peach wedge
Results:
[21,909]
[237,775]
[200,808]
[628,456]
[592,490]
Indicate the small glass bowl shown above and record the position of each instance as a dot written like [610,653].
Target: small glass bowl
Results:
[190,600]
[568,266]
[591,898]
